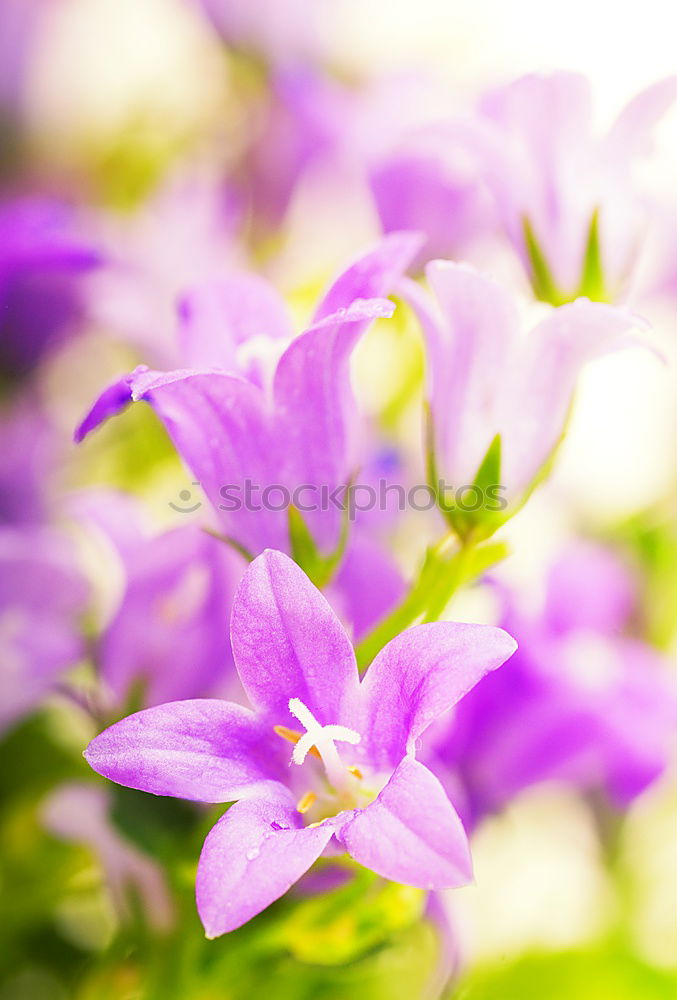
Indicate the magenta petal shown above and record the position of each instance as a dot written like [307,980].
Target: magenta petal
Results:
[317,418]
[114,398]
[420,675]
[373,275]
[206,750]
[253,855]
[219,425]
[411,833]
[288,643]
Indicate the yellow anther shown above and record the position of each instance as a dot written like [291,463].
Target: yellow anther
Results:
[292,736]
[356,772]
[304,804]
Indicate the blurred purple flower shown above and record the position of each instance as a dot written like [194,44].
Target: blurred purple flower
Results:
[581,702]
[42,260]
[21,23]
[485,377]
[168,638]
[548,169]
[298,669]
[29,457]
[528,162]
[42,599]
[430,179]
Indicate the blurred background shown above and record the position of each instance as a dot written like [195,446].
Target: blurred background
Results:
[146,147]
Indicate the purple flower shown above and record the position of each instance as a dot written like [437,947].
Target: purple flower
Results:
[41,263]
[168,637]
[554,181]
[529,163]
[485,377]
[430,179]
[42,598]
[320,756]
[581,702]
[30,454]
[298,428]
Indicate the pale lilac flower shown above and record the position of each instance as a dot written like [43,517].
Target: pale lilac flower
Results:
[528,163]
[487,377]
[582,701]
[549,172]
[320,757]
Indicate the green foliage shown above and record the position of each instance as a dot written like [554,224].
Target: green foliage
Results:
[318,567]
[606,974]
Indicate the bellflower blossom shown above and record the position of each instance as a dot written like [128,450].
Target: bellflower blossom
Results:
[320,756]
[297,427]
[485,377]
[568,199]
[583,702]
[528,163]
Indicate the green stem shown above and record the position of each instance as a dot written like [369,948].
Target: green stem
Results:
[441,575]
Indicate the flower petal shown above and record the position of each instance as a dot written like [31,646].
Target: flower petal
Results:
[411,833]
[373,275]
[217,316]
[538,387]
[206,750]
[480,329]
[316,411]
[420,675]
[288,643]
[112,400]
[253,855]
[220,426]
[169,631]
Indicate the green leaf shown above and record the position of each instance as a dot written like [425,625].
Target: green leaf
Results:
[592,276]
[318,567]
[542,280]
[480,523]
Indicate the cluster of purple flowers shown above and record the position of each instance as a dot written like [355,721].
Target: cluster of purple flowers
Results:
[279,659]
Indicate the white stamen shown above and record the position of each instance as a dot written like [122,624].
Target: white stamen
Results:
[324,738]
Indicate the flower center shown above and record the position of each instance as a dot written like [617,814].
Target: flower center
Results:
[323,740]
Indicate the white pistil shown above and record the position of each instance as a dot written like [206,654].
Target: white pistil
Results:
[324,739]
